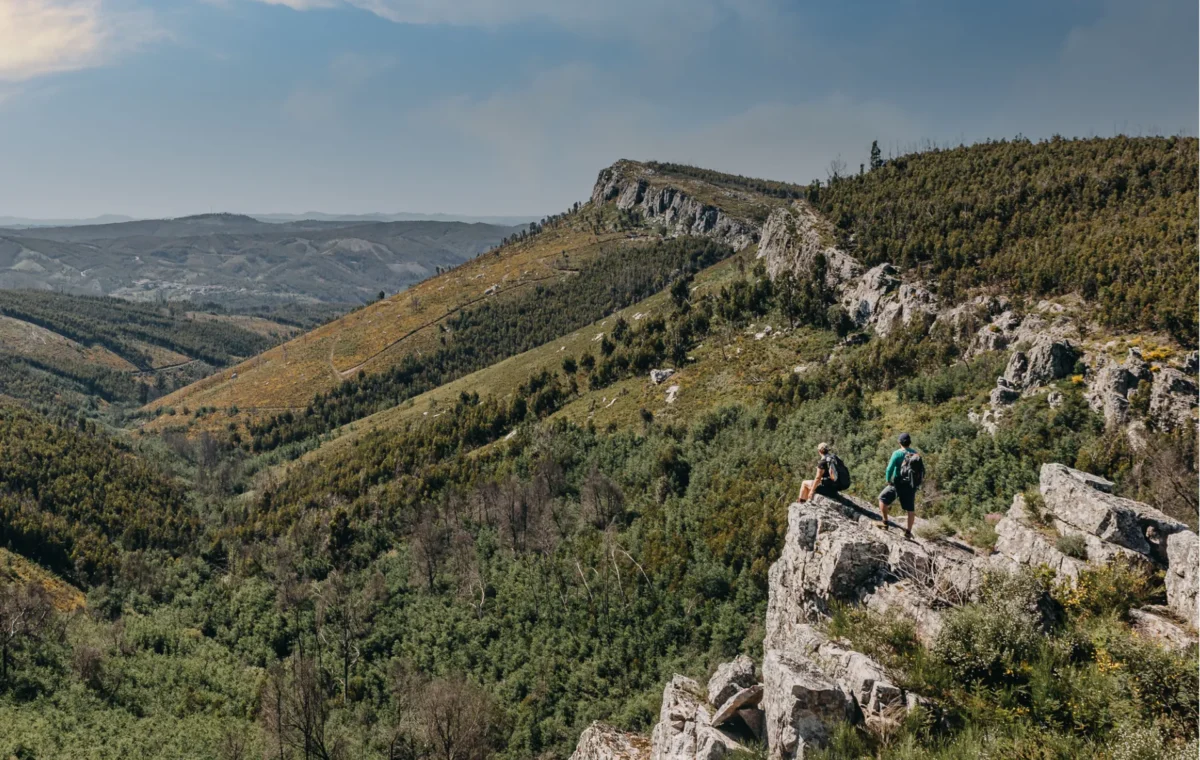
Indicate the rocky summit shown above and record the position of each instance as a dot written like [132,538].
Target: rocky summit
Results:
[836,553]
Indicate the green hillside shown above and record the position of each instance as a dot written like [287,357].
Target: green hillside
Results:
[511,521]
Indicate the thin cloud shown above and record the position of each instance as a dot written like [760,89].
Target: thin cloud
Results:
[40,37]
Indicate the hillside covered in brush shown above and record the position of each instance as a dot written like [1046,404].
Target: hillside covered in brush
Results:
[473,518]
[72,351]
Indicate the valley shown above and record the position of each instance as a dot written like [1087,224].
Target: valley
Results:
[550,483]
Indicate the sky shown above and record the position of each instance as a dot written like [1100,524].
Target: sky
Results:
[153,108]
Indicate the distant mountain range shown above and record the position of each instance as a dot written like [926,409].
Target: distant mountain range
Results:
[15,222]
[239,260]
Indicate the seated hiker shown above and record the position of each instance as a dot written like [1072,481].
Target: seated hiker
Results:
[832,475]
[905,472]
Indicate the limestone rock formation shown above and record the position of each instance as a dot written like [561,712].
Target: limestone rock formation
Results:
[1111,384]
[800,702]
[879,299]
[730,678]
[1047,360]
[684,730]
[738,703]
[1183,573]
[639,188]
[603,742]
[793,237]
[1085,503]
[1173,399]
[658,376]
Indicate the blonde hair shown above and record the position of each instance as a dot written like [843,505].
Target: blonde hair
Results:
[822,448]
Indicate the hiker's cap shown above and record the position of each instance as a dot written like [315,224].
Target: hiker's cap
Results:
[905,439]
[822,448]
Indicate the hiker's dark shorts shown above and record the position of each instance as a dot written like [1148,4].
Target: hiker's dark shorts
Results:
[907,496]
[827,489]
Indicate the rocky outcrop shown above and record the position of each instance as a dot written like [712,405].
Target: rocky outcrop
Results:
[801,704]
[659,376]
[1183,574]
[636,187]
[1085,503]
[793,238]
[1152,623]
[1111,384]
[1173,399]
[730,678]
[685,730]
[1047,360]
[600,741]
[881,300]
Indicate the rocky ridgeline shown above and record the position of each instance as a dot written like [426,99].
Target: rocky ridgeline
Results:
[1044,339]
[631,185]
[835,553]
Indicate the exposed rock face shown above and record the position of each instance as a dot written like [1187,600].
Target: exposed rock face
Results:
[684,730]
[1150,624]
[1085,503]
[1047,360]
[1018,539]
[792,239]
[1172,399]
[1111,385]
[833,551]
[657,376]
[878,298]
[800,703]
[751,696]
[633,187]
[1183,573]
[603,742]
[730,678]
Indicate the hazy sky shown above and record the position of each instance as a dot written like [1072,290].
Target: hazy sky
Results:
[171,107]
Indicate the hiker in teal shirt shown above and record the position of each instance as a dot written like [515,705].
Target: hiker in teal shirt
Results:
[905,471]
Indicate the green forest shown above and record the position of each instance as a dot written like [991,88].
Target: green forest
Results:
[486,582]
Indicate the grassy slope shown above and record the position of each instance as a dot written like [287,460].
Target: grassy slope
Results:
[377,336]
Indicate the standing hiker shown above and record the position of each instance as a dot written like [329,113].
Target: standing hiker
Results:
[832,475]
[905,472]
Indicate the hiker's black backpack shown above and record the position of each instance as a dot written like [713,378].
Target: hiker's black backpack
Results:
[838,471]
[912,470]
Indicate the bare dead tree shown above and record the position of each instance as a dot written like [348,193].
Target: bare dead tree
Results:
[25,614]
[457,719]
[296,712]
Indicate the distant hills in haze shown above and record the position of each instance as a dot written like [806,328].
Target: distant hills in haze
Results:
[238,260]
[13,222]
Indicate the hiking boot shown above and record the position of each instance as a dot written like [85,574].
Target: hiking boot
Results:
[883,524]
[908,535]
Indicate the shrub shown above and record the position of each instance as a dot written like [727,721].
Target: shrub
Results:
[936,529]
[1112,589]
[1072,545]
[994,640]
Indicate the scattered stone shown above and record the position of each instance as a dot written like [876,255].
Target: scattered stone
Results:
[1055,399]
[672,394]
[730,678]
[600,741]
[492,290]
[659,376]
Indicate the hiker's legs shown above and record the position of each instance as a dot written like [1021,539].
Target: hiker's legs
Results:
[806,489]
[908,499]
[883,511]
[910,522]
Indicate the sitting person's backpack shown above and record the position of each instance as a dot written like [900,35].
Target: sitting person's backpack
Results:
[912,470]
[838,471]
